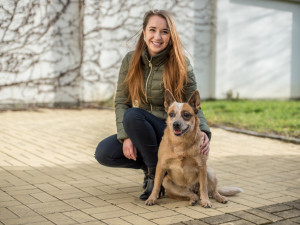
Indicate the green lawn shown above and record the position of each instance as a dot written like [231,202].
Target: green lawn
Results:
[266,116]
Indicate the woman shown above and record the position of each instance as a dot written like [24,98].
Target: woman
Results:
[158,63]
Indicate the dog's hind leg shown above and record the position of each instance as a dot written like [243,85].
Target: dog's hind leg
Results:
[212,186]
[177,192]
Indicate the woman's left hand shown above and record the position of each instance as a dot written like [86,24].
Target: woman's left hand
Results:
[205,146]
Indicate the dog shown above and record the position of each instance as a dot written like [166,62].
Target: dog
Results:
[182,169]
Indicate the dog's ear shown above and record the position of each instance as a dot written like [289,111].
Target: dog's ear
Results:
[169,99]
[194,101]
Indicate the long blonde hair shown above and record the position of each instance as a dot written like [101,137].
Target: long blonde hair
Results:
[175,69]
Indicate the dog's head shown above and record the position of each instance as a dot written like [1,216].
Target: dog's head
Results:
[182,117]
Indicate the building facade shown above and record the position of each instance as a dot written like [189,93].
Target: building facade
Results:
[68,52]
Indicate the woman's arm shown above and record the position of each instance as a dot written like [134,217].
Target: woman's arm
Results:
[120,100]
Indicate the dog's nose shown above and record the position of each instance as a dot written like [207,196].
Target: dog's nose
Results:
[176,125]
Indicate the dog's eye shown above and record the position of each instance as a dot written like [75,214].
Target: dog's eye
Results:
[186,115]
[171,114]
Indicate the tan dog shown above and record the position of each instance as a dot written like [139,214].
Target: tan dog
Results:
[179,156]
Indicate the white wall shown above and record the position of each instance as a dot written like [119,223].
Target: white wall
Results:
[55,52]
[258,49]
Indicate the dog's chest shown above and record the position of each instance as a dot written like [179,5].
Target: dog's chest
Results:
[184,171]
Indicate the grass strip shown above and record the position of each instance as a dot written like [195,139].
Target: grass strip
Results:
[265,116]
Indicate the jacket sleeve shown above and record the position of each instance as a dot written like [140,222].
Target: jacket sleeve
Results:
[190,87]
[120,99]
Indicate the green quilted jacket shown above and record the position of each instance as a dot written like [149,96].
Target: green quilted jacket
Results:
[152,70]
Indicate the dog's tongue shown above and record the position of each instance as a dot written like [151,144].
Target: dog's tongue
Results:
[177,131]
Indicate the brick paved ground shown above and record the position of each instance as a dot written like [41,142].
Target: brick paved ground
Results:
[48,175]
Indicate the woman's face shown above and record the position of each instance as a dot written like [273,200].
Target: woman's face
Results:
[157,35]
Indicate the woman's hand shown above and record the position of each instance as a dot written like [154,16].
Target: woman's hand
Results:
[129,149]
[205,146]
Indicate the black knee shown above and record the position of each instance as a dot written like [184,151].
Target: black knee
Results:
[130,117]
[101,154]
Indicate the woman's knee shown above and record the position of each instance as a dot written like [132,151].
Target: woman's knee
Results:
[100,153]
[131,115]
[108,151]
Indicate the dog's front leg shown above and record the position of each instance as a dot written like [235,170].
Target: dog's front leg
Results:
[159,175]
[203,188]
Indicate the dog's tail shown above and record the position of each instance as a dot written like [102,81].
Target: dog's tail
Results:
[229,191]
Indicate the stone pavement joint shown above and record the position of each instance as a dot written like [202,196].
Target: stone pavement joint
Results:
[48,175]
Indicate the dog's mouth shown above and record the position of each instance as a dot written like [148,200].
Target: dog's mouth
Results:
[179,132]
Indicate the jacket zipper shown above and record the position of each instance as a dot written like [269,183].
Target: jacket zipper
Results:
[150,65]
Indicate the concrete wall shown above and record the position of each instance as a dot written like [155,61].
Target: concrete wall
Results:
[40,52]
[69,51]
[257,49]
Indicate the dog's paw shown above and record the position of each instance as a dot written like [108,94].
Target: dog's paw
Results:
[151,201]
[206,204]
[193,202]
[222,199]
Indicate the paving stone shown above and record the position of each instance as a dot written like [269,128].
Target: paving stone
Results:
[10,203]
[238,222]
[51,207]
[233,208]
[95,223]
[158,214]
[119,201]
[60,219]
[71,195]
[264,214]
[171,219]
[137,220]
[44,223]
[95,201]
[207,211]
[113,214]
[113,196]
[56,180]
[250,217]
[190,212]
[133,208]
[285,222]
[195,222]
[78,203]
[275,208]
[284,199]
[296,219]
[25,220]
[103,209]
[115,221]
[22,211]
[220,219]
[7,214]
[79,216]
[294,204]
[44,197]
[289,213]
[26,199]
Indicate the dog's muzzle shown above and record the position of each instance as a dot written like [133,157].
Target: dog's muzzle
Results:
[177,130]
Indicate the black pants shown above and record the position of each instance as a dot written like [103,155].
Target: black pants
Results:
[145,131]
